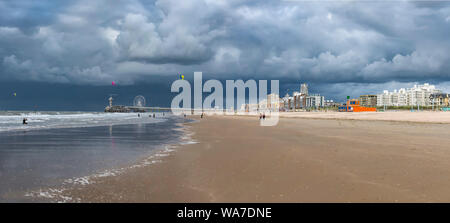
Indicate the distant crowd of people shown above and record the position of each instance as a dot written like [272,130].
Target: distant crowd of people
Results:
[151,115]
[201,115]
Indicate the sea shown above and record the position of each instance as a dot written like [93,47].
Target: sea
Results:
[57,150]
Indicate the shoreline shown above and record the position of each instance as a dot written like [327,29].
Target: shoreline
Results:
[158,157]
[236,160]
[153,153]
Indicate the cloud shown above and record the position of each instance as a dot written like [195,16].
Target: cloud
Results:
[329,44]
[140,40]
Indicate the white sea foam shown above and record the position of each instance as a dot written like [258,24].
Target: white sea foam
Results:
[52,194]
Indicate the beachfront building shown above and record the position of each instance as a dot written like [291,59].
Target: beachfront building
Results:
[315,101]
[304,89]
[368,100]
[282,104]
[394,98]
[301,100]
[291,103]
[285,103]
[298,99]
[417,95]
[331,103]
[440,100]
[273,102]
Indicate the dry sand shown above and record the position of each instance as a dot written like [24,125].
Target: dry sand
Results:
[408,116]
[299,160]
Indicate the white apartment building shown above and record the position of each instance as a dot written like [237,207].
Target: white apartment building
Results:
[418,95]
[315,101]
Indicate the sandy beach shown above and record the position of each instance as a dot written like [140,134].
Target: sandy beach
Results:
[401,116]
[302,159]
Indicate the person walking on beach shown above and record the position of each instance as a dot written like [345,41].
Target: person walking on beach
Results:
[264,116]
[260,116]
[153,115]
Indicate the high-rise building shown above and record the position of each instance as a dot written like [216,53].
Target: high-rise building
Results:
[301,100]
[304,89]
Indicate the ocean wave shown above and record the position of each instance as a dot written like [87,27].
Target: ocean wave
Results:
[13,121]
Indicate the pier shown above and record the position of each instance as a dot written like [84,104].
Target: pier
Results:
[125,109]
[139,107]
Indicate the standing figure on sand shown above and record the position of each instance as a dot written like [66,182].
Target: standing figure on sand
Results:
[262,116]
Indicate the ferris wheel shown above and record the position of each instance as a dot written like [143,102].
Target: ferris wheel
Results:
[139,101]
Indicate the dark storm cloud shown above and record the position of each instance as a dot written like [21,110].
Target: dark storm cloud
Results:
[326,43]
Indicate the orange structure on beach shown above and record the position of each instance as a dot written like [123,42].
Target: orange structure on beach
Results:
[353,106]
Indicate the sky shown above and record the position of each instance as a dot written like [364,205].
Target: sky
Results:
[64,54]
